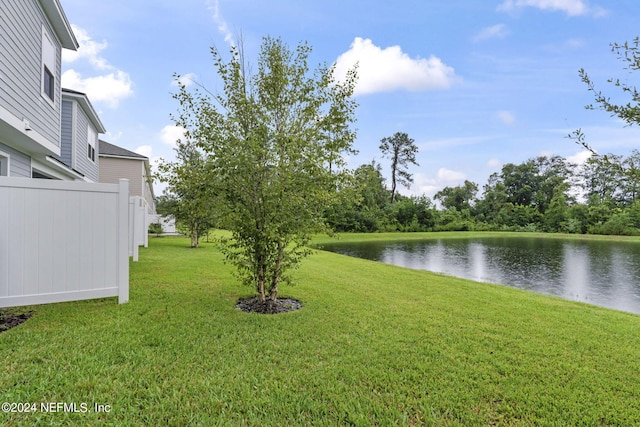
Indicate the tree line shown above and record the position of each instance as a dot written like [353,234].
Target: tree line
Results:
[546,194]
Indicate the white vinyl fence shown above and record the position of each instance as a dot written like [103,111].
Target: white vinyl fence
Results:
[139,220]
[63,241]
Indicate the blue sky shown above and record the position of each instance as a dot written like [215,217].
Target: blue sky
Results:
[476,84]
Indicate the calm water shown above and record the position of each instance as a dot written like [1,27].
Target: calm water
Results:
[603,273]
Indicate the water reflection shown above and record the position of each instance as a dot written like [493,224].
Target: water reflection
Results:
[605,273]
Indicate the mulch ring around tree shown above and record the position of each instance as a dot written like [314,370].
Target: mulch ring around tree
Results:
[280,305]
[9,320]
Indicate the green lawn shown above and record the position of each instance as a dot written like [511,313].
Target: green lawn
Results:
[373,345]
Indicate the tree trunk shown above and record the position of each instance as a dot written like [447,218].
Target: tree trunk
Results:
[393,186]
[394,170]
[261,293]
[275,279]
[195,240]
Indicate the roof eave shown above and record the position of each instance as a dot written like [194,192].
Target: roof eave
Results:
[116,156]
[84,102]
[60,24]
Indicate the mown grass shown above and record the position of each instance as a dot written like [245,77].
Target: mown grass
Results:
[373,345]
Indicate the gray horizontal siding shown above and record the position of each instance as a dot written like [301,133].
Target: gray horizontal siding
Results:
[83,164]
[19,163]
[66,133]
[20,67]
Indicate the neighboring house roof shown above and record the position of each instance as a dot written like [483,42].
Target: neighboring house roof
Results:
[108,150]
[111,150]
[60,24]
[84,102]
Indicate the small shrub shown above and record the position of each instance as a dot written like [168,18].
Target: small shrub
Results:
[155,228]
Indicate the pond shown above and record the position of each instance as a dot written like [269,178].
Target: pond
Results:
[600,272]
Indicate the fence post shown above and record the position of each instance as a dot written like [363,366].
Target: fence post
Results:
[123,241]
[133,227]
[147,222]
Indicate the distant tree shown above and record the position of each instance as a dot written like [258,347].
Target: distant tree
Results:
[554,174]
[631,166]
[166,205]
[401,150]
[602,180]
[494,196]
[188,198]
[410,214]
[273,141]
[521,182]
[534,182]
[556,216]
[459,198]
[370,185]
[360,202]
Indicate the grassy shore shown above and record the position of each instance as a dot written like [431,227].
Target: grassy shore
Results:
[373,345]
[372,237]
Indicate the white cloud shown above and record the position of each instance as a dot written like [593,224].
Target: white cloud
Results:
[223,27]
[113,137]
[89,49]
[497,31]
[439,144]
[570,7]
[144,150]
[110,86]
[506,117]
[449,176]
[186,79]
[171,133]
[566,45]
[580,157]
[494,163]
[390,69]
[574,43]
[430,185]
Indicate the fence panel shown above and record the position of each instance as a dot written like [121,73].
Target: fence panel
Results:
[63,241]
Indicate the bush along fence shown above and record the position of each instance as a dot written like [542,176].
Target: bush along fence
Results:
[64,241]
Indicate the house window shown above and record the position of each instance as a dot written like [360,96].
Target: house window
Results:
[4,164]
[92,140]
[48,67]
[48,82]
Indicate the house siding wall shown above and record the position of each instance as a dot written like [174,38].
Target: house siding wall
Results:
[112,169]
[147,189]
[67,133]
[19,164]
[21,23]
[83,164]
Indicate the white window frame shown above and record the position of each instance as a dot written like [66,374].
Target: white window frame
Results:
[49,64]
[5,163]
[92,143]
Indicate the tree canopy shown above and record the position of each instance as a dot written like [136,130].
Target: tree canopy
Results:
[188,195]
[273,143]
[401,150]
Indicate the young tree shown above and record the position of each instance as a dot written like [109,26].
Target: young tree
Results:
[360,207]
[459,197]
[273,142]
[402,151]
[187,198]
